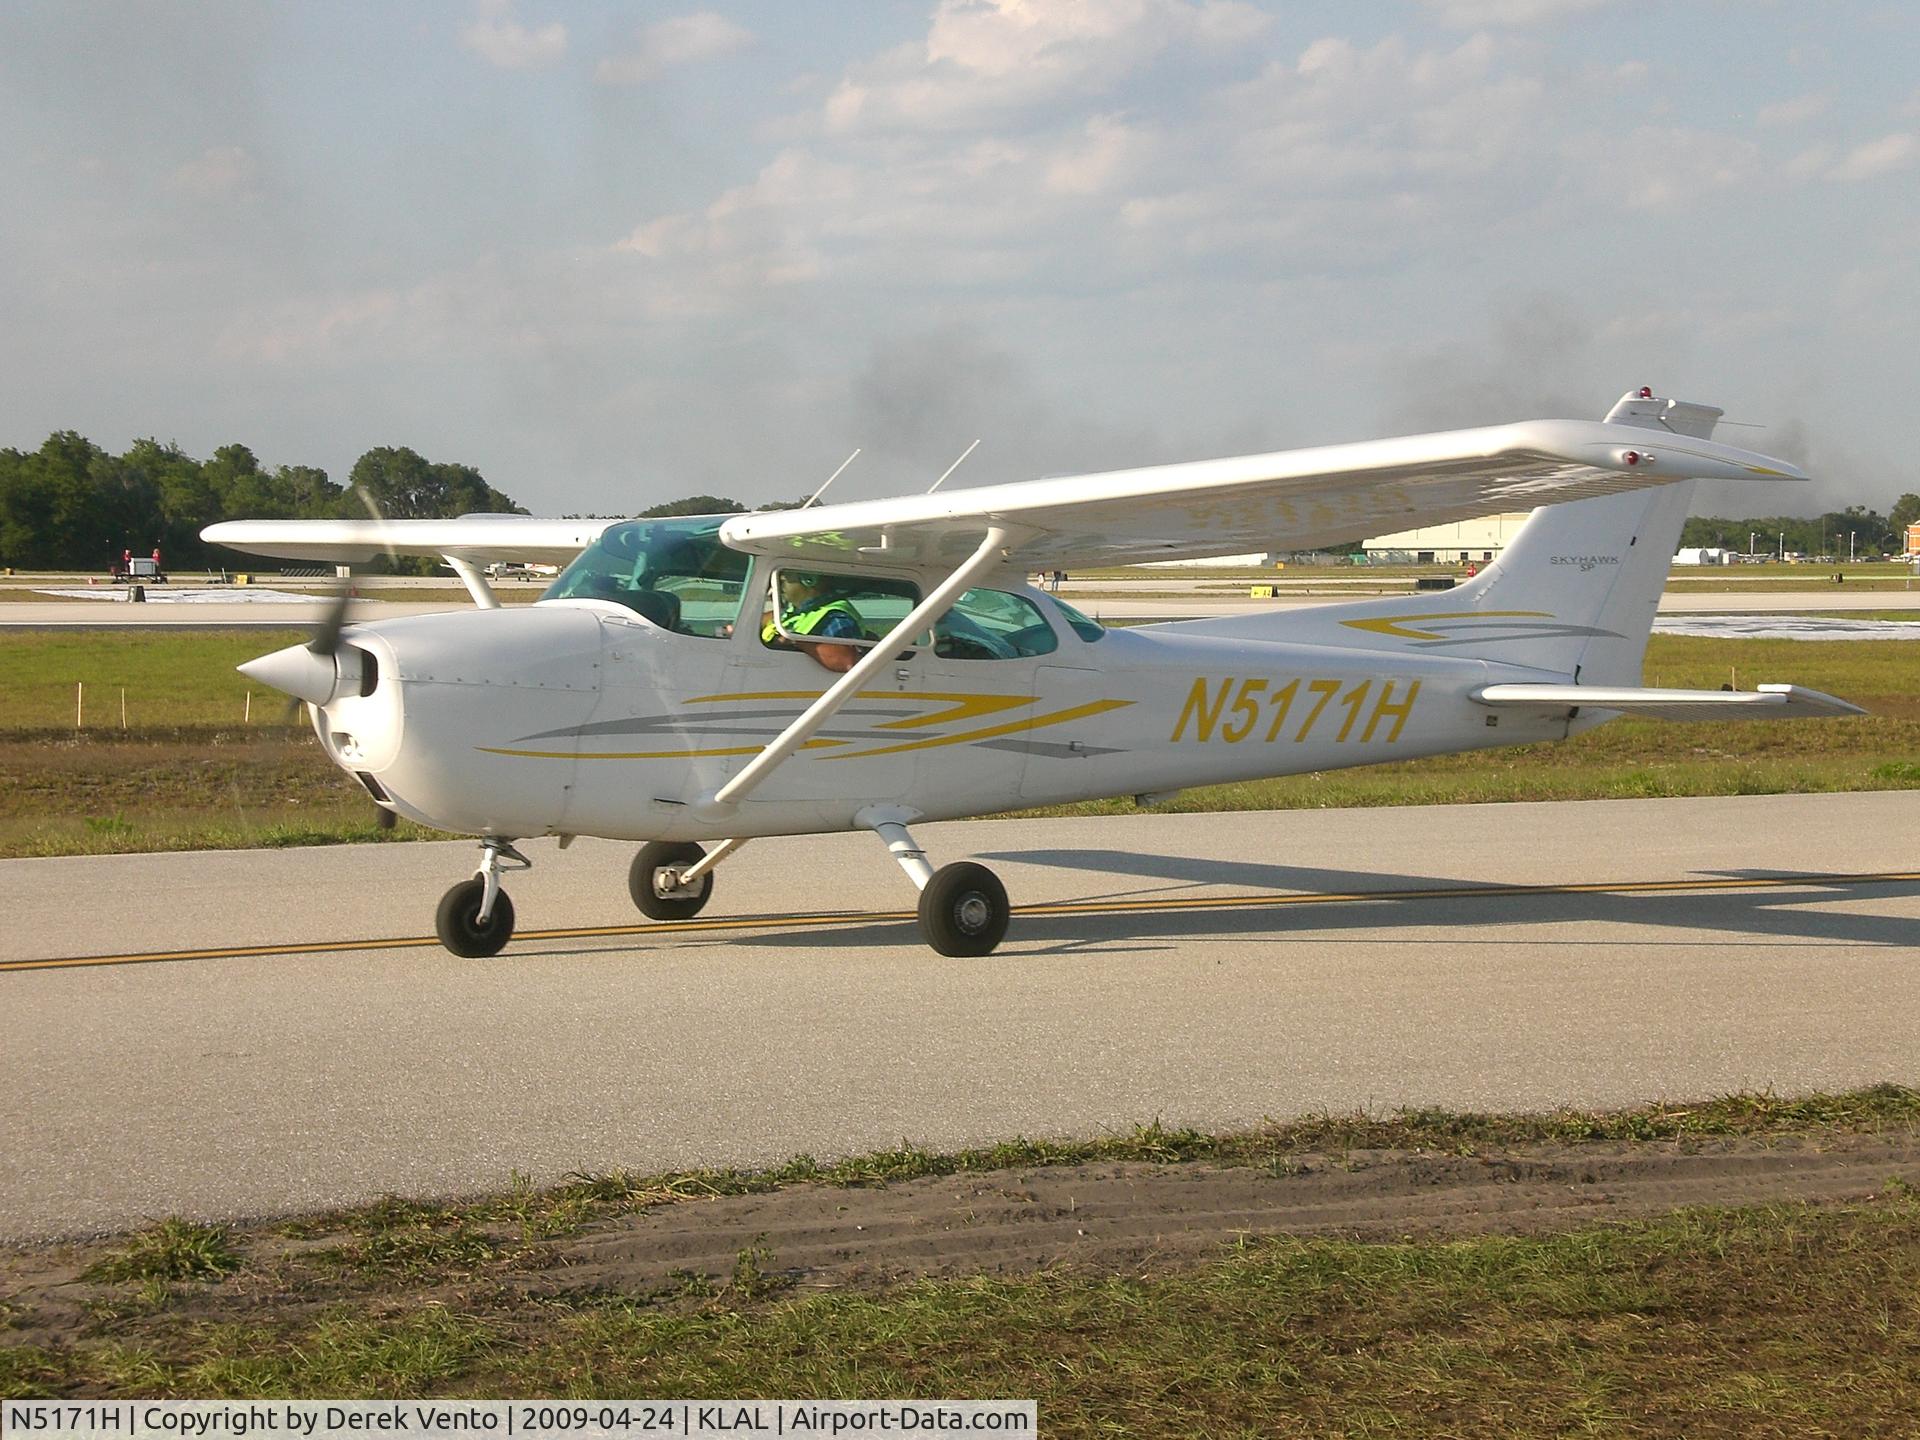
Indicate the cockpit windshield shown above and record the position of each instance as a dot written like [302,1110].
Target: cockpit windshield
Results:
[675,573]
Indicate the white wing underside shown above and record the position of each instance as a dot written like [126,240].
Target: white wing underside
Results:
[1769,702]
[482,539]
[1288,500]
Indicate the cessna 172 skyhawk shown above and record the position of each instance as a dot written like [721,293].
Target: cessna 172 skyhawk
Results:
[658,693]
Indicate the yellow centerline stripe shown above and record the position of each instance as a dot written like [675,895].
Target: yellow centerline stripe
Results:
[1056,907]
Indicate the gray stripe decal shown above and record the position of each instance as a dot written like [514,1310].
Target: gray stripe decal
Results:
[1047,749]
[679,724]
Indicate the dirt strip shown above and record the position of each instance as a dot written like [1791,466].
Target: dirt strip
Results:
[1123,1218]
[1133,1216]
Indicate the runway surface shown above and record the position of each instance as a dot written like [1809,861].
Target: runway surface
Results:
[239,1033]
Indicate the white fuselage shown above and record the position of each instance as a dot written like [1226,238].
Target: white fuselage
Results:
[580,717]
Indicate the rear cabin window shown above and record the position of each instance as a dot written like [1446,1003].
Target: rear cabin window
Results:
[1087,629]
[993,625]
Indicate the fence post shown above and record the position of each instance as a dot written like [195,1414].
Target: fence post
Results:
[79,703]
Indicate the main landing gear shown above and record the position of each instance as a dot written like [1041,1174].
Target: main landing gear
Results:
[475,918]
[963,907]
[672,879]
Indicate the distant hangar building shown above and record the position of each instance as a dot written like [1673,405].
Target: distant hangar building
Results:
[1463,542]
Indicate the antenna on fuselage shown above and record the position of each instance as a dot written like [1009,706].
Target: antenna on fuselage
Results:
[953,467]
[830,479]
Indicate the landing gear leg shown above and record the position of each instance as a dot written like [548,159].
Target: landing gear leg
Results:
[963,906]
[475,918]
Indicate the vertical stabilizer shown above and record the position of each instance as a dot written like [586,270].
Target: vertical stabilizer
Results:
[1597,567]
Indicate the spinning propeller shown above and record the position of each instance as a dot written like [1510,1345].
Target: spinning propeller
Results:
[325,668]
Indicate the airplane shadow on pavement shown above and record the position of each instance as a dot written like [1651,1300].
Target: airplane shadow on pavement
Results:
[1788,911]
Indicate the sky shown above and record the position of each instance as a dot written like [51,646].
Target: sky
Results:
[617,253]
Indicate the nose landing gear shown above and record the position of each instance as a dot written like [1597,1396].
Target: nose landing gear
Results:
[475,919]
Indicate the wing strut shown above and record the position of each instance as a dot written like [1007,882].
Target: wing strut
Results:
[990,552]
[475,580]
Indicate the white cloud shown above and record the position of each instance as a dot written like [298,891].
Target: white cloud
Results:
[1098,162]
[1797,111]
[1341,155]
[227,170]
[1681,165]
[496,37]
[683,40]
[1479,14]
[983,58]
[1877,158]
[1811,163]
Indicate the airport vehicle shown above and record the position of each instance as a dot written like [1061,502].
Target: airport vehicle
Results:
[138,570]
[657,692]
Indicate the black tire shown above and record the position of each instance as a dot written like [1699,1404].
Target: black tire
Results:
[964,910]
[652,857]
[458,921]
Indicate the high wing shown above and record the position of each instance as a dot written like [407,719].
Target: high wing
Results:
[477,539]
[1288,500]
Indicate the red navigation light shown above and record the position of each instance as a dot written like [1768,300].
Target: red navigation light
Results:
[1632,457]
[1646,392]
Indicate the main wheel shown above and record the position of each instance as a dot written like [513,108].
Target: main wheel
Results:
[458,921]
[964,910]
[654,880]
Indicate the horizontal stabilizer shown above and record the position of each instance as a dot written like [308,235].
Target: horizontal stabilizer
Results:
[1769,702]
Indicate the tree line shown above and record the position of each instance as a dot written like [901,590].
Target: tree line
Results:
[72,506]
[1855,531]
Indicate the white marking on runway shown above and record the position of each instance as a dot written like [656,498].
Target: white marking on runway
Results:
[1785,627]
[186,595]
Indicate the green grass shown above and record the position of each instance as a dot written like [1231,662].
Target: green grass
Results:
[1776,1321]
[172,1250]
[170,680]
[1760,1321]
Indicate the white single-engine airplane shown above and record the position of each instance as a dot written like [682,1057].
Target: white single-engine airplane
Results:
[659,692]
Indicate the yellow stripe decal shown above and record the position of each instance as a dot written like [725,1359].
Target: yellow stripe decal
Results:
[964,707]
[1394,624]
[1033,722]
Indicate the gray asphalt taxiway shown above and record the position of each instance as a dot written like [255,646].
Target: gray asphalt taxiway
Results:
[244,1033]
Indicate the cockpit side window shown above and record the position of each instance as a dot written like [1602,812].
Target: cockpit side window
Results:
[675,573]
[851,609]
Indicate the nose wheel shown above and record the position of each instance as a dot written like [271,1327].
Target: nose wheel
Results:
[462,930]
[475,918]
